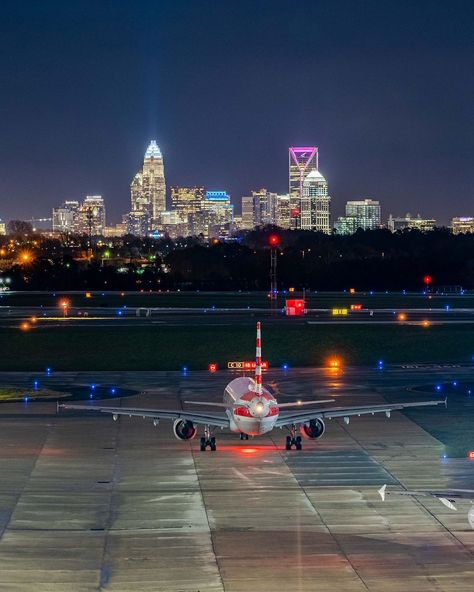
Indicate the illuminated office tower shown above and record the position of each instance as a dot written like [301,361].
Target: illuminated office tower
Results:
[364,214]
[302,160]
[247,213]
[148,188]
[462,224]
[66,217]
[315,204]
[216,217]
[283,211]
[187,200]
[91,216]
[259,209]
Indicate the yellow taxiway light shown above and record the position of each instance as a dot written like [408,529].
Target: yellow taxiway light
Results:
[402,316]
[426,323]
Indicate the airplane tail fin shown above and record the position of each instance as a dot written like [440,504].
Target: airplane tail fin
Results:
[258,361]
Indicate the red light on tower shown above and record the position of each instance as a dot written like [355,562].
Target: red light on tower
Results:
[273,240]
[427,280]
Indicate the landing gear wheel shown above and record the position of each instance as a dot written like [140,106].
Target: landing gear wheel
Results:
[298,443]
[288,442]
[244,436]
[203,444]
[212,444]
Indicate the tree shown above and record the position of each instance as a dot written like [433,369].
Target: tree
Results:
[19,228]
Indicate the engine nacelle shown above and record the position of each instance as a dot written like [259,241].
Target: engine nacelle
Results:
[184,429]
[313,429]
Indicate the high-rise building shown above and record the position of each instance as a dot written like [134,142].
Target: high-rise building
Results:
[148,188]
[91,216]
[247,213]
[216,217]
[462,225]
[302,160]
[409,221]
[315,204]
[3,228]
[187,200]
[364,214]
[66,217]
[264,207]
[283,211]
[175,224]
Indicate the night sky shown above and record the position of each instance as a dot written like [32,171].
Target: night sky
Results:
[384,88]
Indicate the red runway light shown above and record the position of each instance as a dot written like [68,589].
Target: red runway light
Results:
[212,368]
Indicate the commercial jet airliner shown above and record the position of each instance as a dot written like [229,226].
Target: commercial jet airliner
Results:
[249,409]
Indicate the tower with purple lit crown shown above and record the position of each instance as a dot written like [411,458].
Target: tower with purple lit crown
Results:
[148,191]
[302,160]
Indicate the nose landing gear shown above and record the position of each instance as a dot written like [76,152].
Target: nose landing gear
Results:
[244,436]
[293,439]
[208,440]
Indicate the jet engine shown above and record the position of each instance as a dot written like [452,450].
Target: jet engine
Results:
[184,429]
[312,429]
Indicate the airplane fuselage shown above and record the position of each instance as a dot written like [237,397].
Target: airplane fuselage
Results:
[249,412]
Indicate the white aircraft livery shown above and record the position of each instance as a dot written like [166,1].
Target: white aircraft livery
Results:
[249,409]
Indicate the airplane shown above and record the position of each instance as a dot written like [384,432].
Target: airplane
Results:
[249,409]
[448,497]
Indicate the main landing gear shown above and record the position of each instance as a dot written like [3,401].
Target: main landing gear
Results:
[293,439]
[208,440]
[244,436]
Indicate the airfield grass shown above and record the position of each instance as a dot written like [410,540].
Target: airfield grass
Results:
[236,299]
[170,348]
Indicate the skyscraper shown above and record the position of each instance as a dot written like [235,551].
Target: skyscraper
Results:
[66,217]
[264,207]
[91,216]
[315,204]
[302,160]
[364,214]
[187,200]
[148,188]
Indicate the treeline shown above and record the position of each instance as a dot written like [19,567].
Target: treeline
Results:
[367,260]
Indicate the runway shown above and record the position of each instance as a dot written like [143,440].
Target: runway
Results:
[91,504]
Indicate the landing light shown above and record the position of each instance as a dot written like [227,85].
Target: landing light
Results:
[248,450]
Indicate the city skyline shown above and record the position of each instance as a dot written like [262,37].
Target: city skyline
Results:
[384,91]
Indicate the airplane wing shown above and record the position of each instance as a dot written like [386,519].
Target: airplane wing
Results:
[212,419]
[448,497]
[331,412]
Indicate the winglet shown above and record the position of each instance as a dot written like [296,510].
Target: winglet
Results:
[382,492]
[258,361]
[448,503]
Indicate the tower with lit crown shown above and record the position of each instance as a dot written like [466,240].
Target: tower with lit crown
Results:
[148,191]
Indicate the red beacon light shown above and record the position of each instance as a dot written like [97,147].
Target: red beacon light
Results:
[427,280]
[273,240]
